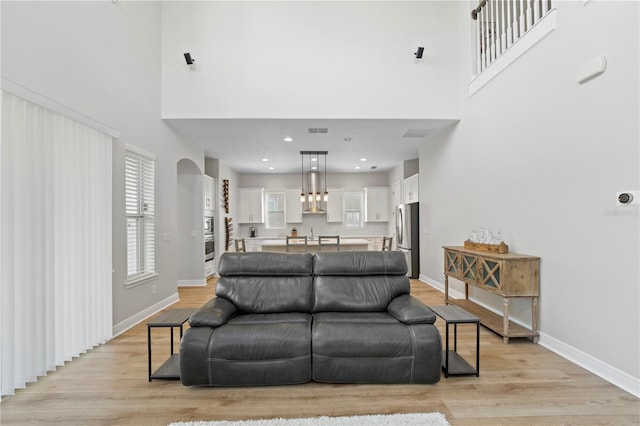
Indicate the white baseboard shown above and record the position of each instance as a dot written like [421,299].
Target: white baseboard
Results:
[136,319]
[608,372]
[192,283]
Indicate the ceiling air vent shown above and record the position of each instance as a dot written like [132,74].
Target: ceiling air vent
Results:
[318,130]
[416,133]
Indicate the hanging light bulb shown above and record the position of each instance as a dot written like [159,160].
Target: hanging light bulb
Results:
[302,197]
[326,192]
[318,196]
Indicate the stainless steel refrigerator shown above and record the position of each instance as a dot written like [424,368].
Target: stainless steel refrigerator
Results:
[408,236]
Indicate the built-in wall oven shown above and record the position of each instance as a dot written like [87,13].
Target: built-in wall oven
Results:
[209,247]
[208,224]
[209,243]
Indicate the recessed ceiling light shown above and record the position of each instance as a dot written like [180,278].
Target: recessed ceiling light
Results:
[314,159]
[314,168]
[363,159]
[288,139]
[271,168]
[357,167]
[265,159]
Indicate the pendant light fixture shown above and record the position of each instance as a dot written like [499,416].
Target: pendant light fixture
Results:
[312,194]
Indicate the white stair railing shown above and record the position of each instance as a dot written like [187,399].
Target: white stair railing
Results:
[500,23]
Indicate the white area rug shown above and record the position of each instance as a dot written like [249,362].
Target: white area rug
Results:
[417,419]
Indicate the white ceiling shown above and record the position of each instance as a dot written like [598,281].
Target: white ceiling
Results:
[243,143]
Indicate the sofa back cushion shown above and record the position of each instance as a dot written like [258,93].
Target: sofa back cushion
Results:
[358,281]
[263,282]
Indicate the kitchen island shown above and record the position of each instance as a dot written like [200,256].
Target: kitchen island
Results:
[347,244]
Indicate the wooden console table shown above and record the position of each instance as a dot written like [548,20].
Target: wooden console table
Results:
[508,275]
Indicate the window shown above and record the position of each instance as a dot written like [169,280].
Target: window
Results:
[139,205]
[275,210]
[353,209]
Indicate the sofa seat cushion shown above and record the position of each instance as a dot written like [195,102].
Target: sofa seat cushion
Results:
[358,339]
[373,347]
[261,349]
[263,337]
[354,317]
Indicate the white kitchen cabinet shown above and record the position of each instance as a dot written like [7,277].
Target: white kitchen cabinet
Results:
[292,206]
[252,245]
[376,202]
[208,195]
[410,189]
[251,205]
[376,244]
[335,210]
[209,268]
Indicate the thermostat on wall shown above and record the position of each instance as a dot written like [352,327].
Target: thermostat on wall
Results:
[628,198]
[591,69]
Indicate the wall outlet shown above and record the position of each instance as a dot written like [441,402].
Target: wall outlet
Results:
[154,289]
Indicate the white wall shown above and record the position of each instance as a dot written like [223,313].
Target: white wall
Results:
[190,236]
[346,59]
[541,157]
[103,60]
[350,182]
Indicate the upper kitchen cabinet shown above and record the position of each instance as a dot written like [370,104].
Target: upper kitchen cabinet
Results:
[376,204]
[251,205]
[293,206]
[208,195]
[335,203]
[410,189]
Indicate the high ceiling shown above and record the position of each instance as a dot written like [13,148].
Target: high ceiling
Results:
[243,143]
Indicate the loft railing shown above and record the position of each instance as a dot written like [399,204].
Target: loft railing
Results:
[500,23]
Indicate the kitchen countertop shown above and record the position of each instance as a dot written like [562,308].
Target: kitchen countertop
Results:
[282,238]
[343,241]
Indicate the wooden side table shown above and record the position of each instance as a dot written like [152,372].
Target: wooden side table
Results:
[509,275]
[452,363]
[171,319]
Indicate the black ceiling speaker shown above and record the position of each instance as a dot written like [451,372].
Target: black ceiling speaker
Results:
[419,53]
[188,58]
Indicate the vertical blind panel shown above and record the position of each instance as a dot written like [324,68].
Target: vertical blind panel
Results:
[55,280]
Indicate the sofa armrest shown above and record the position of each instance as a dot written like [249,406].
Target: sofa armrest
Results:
[214,313]
[409,310]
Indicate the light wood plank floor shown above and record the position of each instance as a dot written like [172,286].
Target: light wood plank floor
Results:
[520,383]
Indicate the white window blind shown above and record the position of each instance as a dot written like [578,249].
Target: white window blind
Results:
[139,205]
[353,209]
[275,210]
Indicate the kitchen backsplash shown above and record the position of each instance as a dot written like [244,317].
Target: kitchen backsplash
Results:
[320,227]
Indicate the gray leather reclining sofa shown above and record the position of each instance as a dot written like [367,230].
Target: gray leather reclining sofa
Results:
[342,317]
